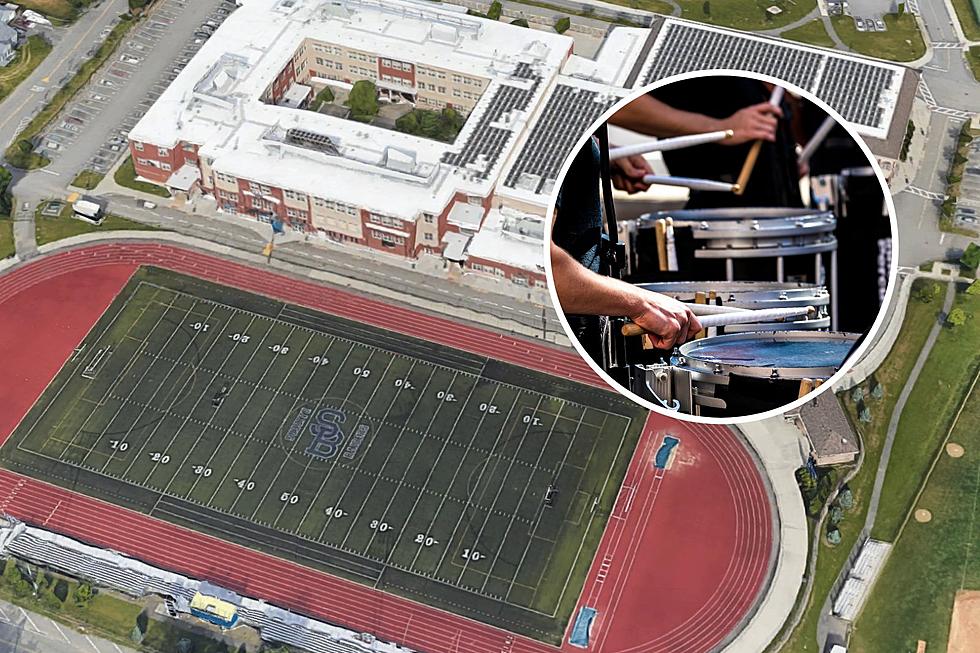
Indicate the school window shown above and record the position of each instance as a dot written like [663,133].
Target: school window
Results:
[163,151]
[428,236]
[138,146]
[143,162]
[165,166]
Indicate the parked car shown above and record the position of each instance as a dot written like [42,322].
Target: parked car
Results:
[880,24]
[859,24]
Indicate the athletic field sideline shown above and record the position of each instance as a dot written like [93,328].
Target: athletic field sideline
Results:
[469,484]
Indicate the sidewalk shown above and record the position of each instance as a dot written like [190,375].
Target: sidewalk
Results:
[777,445]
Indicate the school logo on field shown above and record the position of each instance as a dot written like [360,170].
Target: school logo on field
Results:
[323,432]
[327,433]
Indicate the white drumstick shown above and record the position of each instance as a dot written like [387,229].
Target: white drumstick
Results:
[817,139]
[693,184]
[740,317]
[713,309]
[665,144]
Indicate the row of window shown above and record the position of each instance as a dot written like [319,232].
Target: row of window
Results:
[385,220]
[297,214]
[400,81]
[396,65]
[430,72]
[466,81]
[328,49]
[338,207]
[328,63]
[161,151]
[162,165]
[465,94]
[433,87]
[294,195]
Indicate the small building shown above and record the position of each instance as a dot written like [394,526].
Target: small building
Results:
[7,13]
[8,43]
[826,427]
[214,610]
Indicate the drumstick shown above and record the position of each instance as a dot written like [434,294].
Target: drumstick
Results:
[753,156]
[817,139]
[666,144]
[693,184]
[740,317]
[712,309]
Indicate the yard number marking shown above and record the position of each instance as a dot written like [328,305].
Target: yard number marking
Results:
[200,326]
[116,445]
[446,396]
[380,526]
[425,540]
[362,372]
[289,497]
[279,349]
[403,383]
[159,457]
[240,337]
[489,408]
[245,484]
[335,512]
[473,555]
[533,421]
[201,470]
[320,360]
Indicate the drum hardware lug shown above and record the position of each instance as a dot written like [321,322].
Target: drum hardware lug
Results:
[783,296]
[774,376]
[704,226]
[657,381]
[718,369]
[755,225]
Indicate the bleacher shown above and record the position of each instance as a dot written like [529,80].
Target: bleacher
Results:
[123,574]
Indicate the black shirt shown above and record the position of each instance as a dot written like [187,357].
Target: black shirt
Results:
[774,181]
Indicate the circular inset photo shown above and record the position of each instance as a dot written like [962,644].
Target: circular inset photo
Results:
[721,246]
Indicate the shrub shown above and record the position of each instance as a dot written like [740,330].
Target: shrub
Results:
[971,257]
[363,100]
[493,13]
[562,24]
[520,22]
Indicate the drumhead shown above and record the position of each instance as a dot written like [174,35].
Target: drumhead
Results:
[775,354]
[745,294]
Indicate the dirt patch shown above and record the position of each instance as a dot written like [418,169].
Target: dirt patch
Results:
[923,516]
[954,450]
[964,631]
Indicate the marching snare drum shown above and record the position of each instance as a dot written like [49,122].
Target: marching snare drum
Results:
[746,373]
[758,244]
[754,295]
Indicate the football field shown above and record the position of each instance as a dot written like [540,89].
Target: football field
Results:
[465,483]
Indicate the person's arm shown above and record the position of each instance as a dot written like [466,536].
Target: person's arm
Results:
[649,115]
[583,292]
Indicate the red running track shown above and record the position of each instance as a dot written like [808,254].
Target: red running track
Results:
[683,560]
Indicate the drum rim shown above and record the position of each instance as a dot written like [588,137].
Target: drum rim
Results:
[735,213]
[744,296]
[682,357]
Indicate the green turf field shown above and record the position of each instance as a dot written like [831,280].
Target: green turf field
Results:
[392,461]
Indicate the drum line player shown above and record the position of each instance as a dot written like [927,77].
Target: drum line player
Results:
[765,341]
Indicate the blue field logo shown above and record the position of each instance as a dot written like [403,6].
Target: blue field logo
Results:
[327,432]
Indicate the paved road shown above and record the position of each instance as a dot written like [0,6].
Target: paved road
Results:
[71,46]
[22,631]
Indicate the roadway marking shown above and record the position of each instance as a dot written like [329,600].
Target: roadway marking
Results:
[927,194]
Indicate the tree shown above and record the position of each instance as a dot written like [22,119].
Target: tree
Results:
[973,288]
[136,635]
[706,8]
[61,589]
[807,483]
[957,317]
[846,498]
[5,204]
[363,100]
[971,257]
[493,13]
[83,594]
[833,536]
[519,22]
[836,515]
[562,24]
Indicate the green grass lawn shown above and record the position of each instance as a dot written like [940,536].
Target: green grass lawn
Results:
[6,237]
[87,179]
[49,229]
[126,176]
[968,19]
[63,11]
[901,42]
[29,56]
[913,598]
[656,6]
[973,60]
[746,14]
[892,375]
[937,396]
[813,33]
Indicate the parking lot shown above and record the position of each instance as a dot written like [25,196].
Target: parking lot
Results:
[92,128]
[968,206]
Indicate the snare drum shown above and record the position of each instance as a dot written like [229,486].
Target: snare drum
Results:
[758,244]
[747,373]
[753,295]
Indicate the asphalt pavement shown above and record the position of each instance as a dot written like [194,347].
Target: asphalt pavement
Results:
[22,631]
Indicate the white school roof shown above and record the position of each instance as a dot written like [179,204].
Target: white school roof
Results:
[215,101]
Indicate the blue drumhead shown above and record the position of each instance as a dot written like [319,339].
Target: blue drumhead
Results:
[774,353]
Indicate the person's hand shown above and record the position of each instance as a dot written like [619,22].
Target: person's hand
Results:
[754,123]
[627,173]
[668,321]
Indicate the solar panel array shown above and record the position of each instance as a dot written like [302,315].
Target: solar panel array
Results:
[837,87]
[853,87]
[487,142]
[569,112]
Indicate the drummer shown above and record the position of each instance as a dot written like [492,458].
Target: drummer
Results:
[719,103]
[576,238]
